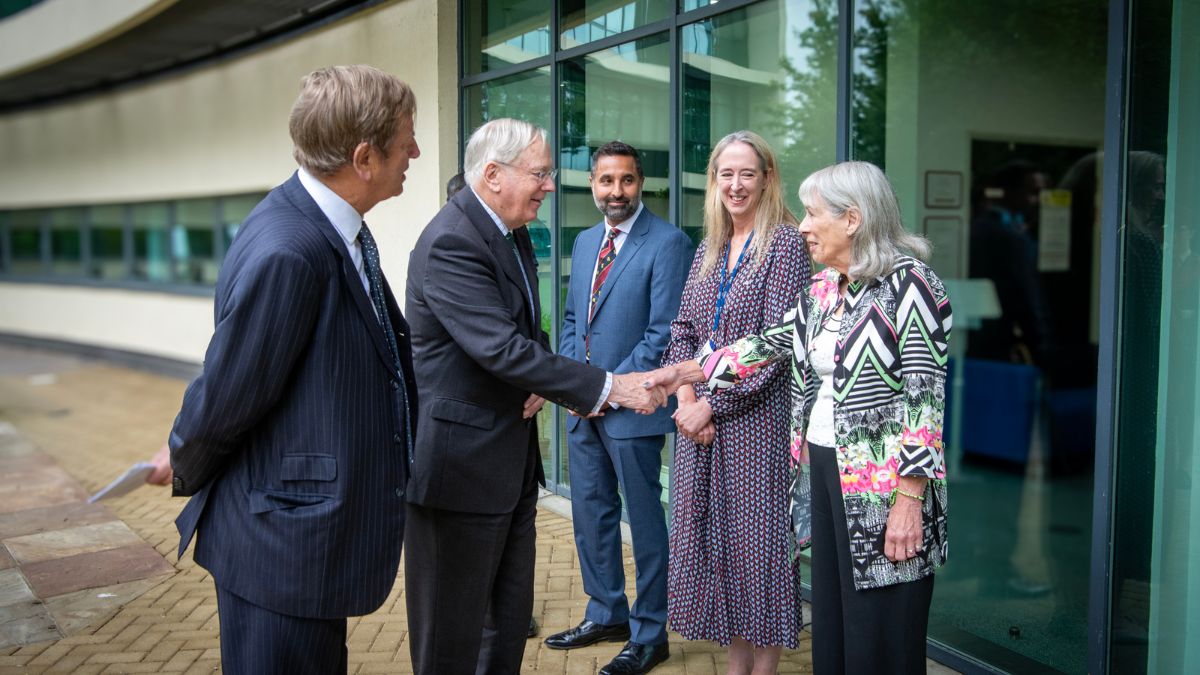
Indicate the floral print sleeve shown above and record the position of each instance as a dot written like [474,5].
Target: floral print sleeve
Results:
[923,323]
[738,361]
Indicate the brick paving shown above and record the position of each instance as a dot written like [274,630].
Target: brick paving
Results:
[96,420]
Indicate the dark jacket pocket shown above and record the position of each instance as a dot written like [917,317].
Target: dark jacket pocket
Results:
[462,412]
[262,501]
[308,467]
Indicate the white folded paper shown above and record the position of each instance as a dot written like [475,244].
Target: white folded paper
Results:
[129,481]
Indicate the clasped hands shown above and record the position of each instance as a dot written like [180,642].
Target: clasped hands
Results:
[644,392]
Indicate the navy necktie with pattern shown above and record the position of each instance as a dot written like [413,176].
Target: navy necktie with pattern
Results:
[375,278]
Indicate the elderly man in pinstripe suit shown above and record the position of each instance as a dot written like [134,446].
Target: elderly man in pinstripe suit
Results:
[295,442]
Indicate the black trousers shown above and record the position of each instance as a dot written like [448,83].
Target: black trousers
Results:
[257,641]
[468,583]
[872,631]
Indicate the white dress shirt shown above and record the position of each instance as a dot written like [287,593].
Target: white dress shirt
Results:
[608,377]
[344,218]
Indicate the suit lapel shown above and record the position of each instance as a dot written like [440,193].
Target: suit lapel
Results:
[303,201]
[633,241]
[501,251]
[529,260]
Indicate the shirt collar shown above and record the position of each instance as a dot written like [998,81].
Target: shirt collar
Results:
[344,218]
[495,218]
[627,224]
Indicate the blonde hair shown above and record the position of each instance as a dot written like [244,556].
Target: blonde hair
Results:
[341,107]
[772,209]
[881,237]
[501,140]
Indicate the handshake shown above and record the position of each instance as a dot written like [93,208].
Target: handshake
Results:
[646,392]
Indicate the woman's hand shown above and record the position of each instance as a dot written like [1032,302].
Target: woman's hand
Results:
[693,418]
[904,531]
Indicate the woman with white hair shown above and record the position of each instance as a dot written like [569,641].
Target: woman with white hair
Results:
[867,346]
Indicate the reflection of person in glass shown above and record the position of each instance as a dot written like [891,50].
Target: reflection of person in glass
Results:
[1004,249]
[867,344]
[730,577]
[1141,374]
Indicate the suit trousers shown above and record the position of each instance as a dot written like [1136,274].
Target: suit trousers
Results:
[599,463]
[468,580]
[257,641]
[875,630]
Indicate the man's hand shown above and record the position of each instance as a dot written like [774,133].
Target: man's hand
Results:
[589,416]
[532,405]
[162,473]
[628,391]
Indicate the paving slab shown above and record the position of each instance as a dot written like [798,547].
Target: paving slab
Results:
[94,570]
[58,517]
[74,541]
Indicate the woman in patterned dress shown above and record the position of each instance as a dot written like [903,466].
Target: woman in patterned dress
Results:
[867,345]
[730,578]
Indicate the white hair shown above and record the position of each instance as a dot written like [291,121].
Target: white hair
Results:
[881,237]
[502,140]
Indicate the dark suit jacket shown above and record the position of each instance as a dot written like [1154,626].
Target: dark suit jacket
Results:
[292,440]
[631,326]
[479,351]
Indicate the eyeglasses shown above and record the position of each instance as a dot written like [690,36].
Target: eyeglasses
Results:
[541,176]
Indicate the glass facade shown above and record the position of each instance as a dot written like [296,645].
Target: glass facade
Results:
[177,243]
[990,124]
[992,121]
[1155,621]
[682,73]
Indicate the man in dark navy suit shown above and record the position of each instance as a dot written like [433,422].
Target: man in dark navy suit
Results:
[485,368]
[627,278]
[295,442]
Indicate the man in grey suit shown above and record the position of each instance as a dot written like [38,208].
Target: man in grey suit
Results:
[484,368]
[627,278]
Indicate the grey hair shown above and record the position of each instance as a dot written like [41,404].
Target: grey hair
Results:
[881,238]
[501,140]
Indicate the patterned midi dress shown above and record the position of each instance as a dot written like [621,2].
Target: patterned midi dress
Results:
[729,572]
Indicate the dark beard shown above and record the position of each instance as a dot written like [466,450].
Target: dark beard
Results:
[619,212]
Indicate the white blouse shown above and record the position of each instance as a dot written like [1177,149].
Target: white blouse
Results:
[821,429]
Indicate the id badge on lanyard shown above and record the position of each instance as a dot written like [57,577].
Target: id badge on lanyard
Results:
[710,345]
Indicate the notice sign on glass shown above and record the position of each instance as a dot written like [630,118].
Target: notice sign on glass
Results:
[1054,231]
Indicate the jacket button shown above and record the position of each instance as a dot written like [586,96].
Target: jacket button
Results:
[396,438]
[835,358]
[395,384]
[399,492]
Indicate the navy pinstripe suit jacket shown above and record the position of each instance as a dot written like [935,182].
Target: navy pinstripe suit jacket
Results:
[291,442]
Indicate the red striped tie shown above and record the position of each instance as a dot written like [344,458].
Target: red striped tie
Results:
[604,263]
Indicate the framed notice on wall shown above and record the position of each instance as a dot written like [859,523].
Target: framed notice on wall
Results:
[943,189]
[945,234]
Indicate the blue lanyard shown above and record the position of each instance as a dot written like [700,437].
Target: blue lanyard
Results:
[725,285]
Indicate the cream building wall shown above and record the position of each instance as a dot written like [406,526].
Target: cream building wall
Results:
[214,131]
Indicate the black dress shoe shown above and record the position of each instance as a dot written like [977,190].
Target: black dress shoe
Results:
[588,633]
[637,658]
[533,631]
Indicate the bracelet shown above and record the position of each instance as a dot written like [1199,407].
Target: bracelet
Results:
[920,498]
